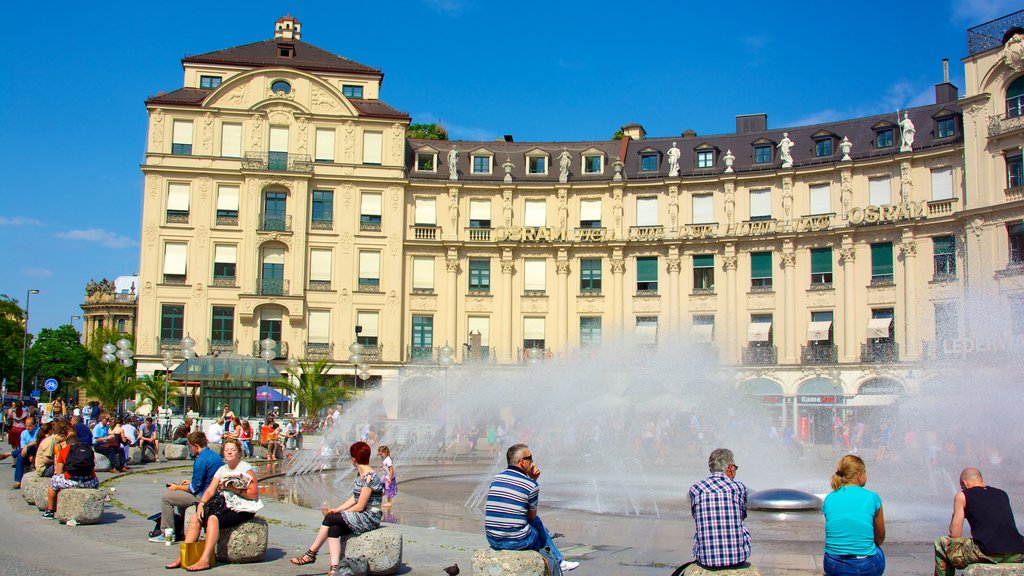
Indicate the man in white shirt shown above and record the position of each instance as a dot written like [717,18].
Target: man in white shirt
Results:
[215,432]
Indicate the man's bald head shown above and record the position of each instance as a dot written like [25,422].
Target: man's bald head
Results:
[971,477]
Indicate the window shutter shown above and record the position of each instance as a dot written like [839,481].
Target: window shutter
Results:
[178,197]
[760,203]
[703,209]
[590,209]
[533,328]
[320,265]
[370,204]
[373,147]
[227,198]
[535,214]
[760,264]
[278,138]
[821,261]
[647,269]
[879,191]
[369,322]
[534,272]
[319,326]
[942,183]
[479,209]
[325,144]
[481,324]
[369,264]
[182,132]
[646,211]
[703,260]
[422,273]
[821,198]
[426,214]
[225,254]
[174,258]
[881,259]
[231,140]
[273,255]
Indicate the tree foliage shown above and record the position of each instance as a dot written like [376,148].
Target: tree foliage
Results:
[619,134]
[151,390]
[314,388]
[435,131]
[111,384]
[58,353]
[12,332]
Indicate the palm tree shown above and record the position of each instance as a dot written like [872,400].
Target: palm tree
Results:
[314,389]
[152,389]
[110,384]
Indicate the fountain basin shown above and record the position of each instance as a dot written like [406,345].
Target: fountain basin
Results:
[783,499]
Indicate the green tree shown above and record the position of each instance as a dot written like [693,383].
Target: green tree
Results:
[58,353]
[619,135]
[314,389]
[435,131]
[152,388]
[12,333]
[111,384]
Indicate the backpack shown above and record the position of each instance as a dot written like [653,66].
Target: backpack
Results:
[81,461]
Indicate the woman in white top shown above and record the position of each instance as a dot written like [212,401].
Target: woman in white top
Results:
[235,485]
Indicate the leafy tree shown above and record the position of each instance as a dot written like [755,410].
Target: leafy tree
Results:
[314,389]
[12,333]
[58,353]
[110,384]
[619,135]
[152,389]
[435,131]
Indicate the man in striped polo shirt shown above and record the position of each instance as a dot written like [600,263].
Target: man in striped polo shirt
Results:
[510,517]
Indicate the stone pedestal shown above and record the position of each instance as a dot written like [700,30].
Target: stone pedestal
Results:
[83,505]
[994,570]
[176,451]
[695,570]
[382,548]
[244,543]
[487,562]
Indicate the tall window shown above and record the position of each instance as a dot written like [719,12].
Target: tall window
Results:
[423,274]
[533,333]
[278,157]
[647,211]
[479,213]
[275,211]
[534,272]
[175,255]
[181,137]
[590,331]
[879,191]
[647,275]
[944,250]
[224,263]
[760,271]
[1015,233]
[702,328]
[369,321]
[703,273]
[479,275]
[647,330]
[270,326]
[172,322]
[272,271]
[319,328]
[881,263]
[323,206]
[821,266]
[590,213]
[320,264]
[422,337]
[760,331]
[177,203]
[535,213]
[324,145]
[820,330]
[369,270]
[821,198]
[223,325]
[590,275]
[227,205]
[942,183]
[761,204]
[882,328]
[231,140]
[1015,98]
[373,147]
[425,212]
[369,211]
[1014,171]
[479,326]
[703,208]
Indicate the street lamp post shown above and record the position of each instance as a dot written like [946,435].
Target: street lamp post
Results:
[268,353]
[73,318]
[187,353]
[24,343]
[168,361]
[122,353]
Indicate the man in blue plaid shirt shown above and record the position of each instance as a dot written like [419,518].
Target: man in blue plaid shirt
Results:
[719,506]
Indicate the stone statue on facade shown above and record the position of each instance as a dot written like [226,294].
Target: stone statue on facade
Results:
[508,166]
[907,131]
[728,159]
[453,164]
[845,146]
[563,165]
[673,160]
[784,146]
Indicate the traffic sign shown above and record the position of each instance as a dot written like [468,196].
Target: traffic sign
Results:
[50,385]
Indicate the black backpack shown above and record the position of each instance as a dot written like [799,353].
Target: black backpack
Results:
[81,461]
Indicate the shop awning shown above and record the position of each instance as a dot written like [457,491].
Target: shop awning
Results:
[702,332]
[267,394]
[759,331]
[879,327]
[817,331]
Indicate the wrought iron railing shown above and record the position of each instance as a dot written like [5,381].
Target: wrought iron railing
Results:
[989,35]
[479,234]
[224,281]
[169,344]
[272,287]
[321,225]
[281,349]
[757,355]
[647,292]
[422,232]
[319,351]
[819,353]
[369,227]
[878,352]
[371,287]
[275,223]
[177,216]
[218,346]
[421,354]
[227,220]
[319,285]
[277,161]
[882,280]
[373,352]
[1004,123]
[174,279]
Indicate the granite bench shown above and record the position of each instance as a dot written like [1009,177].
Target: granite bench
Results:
[382,548]
[83,505]
[488,562]
[33,488]
[176,451]
[138,455]
[244,543]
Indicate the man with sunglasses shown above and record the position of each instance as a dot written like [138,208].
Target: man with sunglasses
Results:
[719,507]
[510,517]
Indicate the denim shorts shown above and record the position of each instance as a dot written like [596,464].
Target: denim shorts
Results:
[873,565]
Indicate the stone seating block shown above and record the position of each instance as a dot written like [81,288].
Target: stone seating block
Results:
[488,562]
[102,463]
[994,570]
[695,570]
[33,488]
[134,455]
[148,454]
[382,548]
[244,543]
[216,447]
[176,451]
[83,505]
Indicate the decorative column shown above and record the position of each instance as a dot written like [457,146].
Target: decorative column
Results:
[789,299]
[562,313]
[909,315]
[618,295]
[674,265]
[848,253]
[728,348]
[452,265]
[507,269]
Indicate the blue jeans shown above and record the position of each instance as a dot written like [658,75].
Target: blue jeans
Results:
[846,566]
[19,466]
[537,539]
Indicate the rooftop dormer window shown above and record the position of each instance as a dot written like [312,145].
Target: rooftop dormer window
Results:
[209,82]
[884,134]
[285,50]
[823,147]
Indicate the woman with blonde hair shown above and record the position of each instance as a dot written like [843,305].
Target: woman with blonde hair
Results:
[854,523]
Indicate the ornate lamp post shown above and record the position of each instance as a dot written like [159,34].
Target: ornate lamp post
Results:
[24,343]
[268,353]
[121,353]
[359,367]
[187,353]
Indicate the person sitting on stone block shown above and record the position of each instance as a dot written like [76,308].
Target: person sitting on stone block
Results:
[181,433]
[187,492]
[994,536]
[75,467]
[147,437]
[719,507]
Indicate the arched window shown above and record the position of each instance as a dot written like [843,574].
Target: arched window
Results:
[1015,98]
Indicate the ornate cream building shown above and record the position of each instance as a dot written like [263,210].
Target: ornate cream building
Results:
[825,262]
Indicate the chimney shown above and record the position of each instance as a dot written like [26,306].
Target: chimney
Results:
[747,123]
[288,28]
[508,138]
[945,92]
[634,131]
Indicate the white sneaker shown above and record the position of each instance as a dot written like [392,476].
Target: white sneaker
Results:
[567,565]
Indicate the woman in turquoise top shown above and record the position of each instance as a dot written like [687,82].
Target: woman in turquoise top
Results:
[854,524]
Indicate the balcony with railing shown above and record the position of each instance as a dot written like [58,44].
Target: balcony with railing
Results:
[874,352]
[761,355]
[424,232]
[319,285]
[277,161]
[227,220]
[224,281]
[217,346]
[819,353]
[479,234]
[319,351]
[274,223]
[1014,193]
[272,287]
[319,224]
[280,349]
[709,230]
[1012,121]
[421,354]
[940,207]
[370,285]
[372,352]
[175,280]
[587,234]
[169,345]
[177,217]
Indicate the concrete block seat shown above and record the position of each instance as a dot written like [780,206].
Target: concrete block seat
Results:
[994,570]
[33,488]
[83,505]
[216,447]
[176,451]
[139,455]
[382,548]
[695,570]
[102,463]
[244,543]
[488,562]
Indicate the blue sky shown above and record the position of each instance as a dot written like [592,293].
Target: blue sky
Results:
[75,75]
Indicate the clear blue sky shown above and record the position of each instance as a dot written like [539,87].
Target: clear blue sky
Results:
[75,75]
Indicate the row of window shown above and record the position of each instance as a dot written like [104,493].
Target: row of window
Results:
[210,82]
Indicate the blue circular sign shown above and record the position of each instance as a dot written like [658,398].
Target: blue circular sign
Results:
[50,385]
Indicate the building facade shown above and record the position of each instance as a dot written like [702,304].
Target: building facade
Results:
[824,262]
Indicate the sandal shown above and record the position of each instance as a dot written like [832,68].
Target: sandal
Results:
[334,568]
[301,560]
